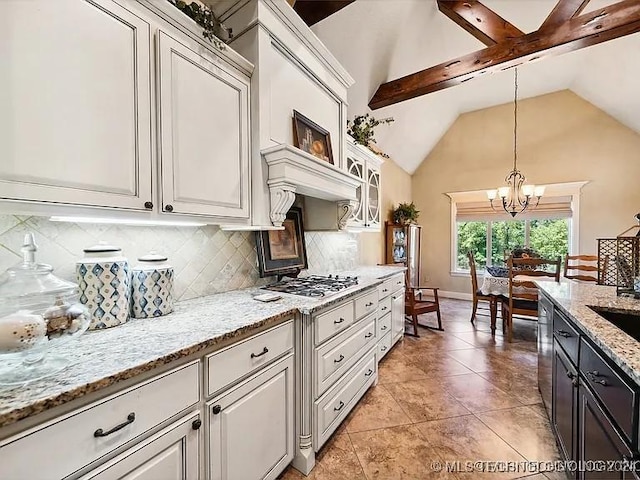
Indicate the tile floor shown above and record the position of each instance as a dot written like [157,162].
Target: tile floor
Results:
[457,395]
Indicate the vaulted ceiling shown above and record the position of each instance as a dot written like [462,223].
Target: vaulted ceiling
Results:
[381,40]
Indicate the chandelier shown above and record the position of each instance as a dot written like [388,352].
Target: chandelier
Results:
[516,196]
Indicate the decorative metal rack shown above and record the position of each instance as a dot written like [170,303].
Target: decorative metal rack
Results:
[619,261]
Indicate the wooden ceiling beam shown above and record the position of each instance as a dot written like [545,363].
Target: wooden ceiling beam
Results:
[612,22]
[313,11]
[480,21]
[563,11]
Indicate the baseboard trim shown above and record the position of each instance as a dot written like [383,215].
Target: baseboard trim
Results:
[454,295]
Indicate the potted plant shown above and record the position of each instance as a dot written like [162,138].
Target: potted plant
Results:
[405,213]
[361,128]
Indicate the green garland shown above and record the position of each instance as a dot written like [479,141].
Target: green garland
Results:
[362,128]
[212,28]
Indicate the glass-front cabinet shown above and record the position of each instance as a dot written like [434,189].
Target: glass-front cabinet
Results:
[365,164]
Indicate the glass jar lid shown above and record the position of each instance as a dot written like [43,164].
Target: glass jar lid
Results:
[30,278]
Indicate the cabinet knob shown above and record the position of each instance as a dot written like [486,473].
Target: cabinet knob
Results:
[148,205]
[216,409]
[168,208]
[196,424]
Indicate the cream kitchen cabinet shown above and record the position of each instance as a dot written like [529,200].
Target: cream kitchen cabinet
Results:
[172,454]
[365,165]
[251,426]
[204,137]
[397,308]
[122,104]
[76,104]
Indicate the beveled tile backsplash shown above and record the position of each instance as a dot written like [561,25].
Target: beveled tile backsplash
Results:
[206,259]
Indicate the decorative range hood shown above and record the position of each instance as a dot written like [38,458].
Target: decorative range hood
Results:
[292,171]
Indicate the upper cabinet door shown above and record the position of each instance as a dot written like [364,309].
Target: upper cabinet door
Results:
[75,103]
[373,198]
[204,121]
[357,168]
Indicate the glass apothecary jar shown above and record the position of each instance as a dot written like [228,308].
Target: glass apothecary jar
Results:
[38,311]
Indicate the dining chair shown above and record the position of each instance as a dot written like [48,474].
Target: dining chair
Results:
[523,293]
[574,265]
[415,305]
[479,296]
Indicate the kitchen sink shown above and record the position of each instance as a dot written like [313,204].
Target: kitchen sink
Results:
[626,321]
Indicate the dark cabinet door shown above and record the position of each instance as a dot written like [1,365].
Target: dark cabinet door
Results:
[564,398]
[545,350]
[598,439]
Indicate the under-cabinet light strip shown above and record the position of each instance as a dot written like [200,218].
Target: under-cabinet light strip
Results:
[127,221]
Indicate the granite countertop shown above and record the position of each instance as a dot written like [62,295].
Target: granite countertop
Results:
[103,358]
[574,298]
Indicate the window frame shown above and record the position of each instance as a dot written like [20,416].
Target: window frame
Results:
[571,189]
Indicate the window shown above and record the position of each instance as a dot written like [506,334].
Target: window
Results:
[492,241]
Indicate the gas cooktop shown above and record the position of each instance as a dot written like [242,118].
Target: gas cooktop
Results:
[313,285]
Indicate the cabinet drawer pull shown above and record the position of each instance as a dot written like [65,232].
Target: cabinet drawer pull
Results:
[101,433]
[368,335]
[399,282]
[385,290]
[337,322]
[383,328]
[370,304]
[369,372]
[563,333]
[394,297]
[216,409]
[383,349]
[264,351]
[383,308]
[593,375]
[340,358]
[339,407]
[573,377]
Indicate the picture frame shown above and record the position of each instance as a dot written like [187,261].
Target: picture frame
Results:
[283,252]
[311,138]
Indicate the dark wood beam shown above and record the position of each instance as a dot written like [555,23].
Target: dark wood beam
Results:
[612,22]
[480,21]
[312,11]
[563,11]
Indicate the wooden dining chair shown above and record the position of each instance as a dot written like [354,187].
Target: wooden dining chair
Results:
[574,265]
[415,304]
[523,293]
[478,296]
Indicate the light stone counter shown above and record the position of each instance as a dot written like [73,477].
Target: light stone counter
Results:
[574,298]
[103,358]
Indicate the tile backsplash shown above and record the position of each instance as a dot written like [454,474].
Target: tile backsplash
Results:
[206,259]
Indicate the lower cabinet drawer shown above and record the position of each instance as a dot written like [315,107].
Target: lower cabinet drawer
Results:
[385,288]
[615,392]
[173,453]
[332,408]
[232,363]
[396,282]
[335,357]
[384,325]
[566,335]
[332,322]
[384,306]
[366,304]
[384,345]
[84,436]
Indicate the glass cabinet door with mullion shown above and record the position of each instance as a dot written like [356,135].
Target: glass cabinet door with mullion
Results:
[356,168]
[373,198]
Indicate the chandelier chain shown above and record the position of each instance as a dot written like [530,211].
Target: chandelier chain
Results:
[515,120]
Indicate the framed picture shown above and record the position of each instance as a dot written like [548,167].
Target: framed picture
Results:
[310,137]
[282,251]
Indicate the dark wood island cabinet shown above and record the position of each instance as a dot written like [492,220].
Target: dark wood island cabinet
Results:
[594,404]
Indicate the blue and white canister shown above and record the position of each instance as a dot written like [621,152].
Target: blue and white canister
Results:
[105,285]
[152,287]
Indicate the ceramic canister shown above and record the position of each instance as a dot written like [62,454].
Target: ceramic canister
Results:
[104,282]
[152,287]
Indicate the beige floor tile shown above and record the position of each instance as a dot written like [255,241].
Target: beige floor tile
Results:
[425,400]
[398,368]
[437,365]
[477,359]
[377,409]
[398,453]
[467,439]
[336,461]
[525,430]
[478,394]
[517,385]
[480,339]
